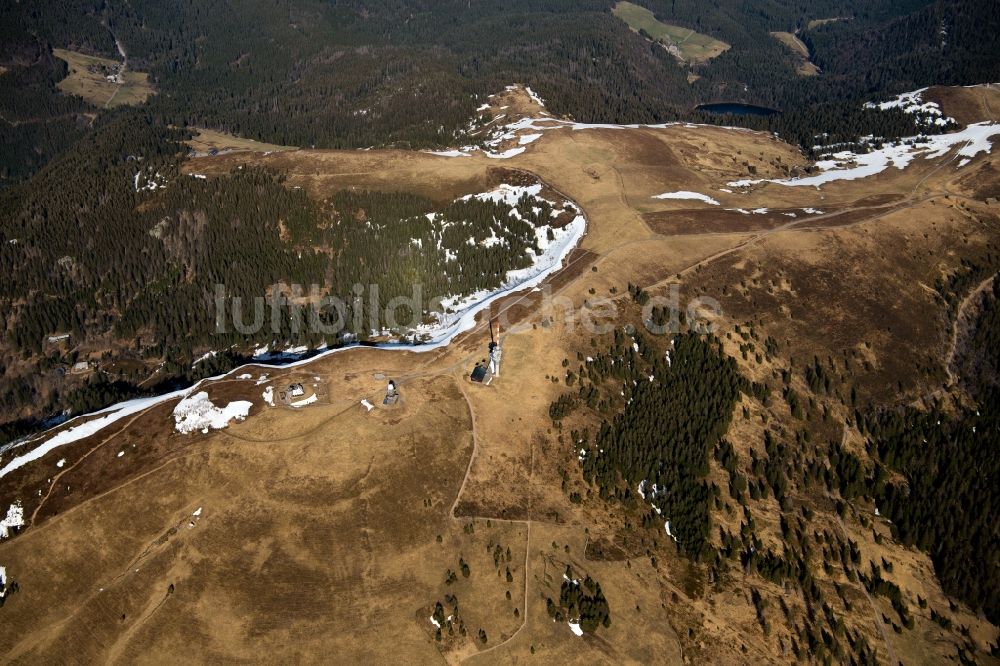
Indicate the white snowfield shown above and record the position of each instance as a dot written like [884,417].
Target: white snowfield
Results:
[90,424]
[913,103]
[305,401]
[846,165]
[684,194]
[14,518]
[197,412]
[529,130]
[534,96]
[447,153]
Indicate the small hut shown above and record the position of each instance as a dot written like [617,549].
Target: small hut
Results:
[481,374]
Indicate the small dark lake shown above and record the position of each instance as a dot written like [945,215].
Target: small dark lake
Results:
[736,109]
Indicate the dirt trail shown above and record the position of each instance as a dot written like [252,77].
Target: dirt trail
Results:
[960,313]
[527,522]
[55,479]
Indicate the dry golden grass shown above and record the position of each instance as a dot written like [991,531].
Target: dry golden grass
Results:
[683,43]
[815,23]
[206,140]
[87,78]
[319,533]
[967,105]
[801,51]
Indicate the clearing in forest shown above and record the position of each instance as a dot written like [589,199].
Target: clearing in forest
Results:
[815,23]
[205,141]
[101,81]
[683,43]
[804,67]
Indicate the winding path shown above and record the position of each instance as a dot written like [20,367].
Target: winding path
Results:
[960,312]
[526,522]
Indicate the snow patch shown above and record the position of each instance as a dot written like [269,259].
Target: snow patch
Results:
[684,194]
[575,628]
[929,113]
[103,418]
[507,154]
[305,401]
[534,96]
[367,405]
[14,518]
[847,165]
[447,153]
[197,412]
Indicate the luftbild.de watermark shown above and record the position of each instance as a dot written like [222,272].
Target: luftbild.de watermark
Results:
[294,309]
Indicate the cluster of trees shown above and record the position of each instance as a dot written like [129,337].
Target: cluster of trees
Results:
[677,407]
[955,286]
[947,501]
[933,473]
[981,367]
[447,621]
[936,474]
[582,602]
[36,121]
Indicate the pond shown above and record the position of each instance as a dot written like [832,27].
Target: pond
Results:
[736,109]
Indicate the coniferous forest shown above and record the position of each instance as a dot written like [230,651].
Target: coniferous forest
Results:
[159,241]
[663,411]
[352,73]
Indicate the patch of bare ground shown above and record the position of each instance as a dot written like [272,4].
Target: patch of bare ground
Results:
[101,81]
[828,293]
[206,141]
[983,183]
[804,67]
